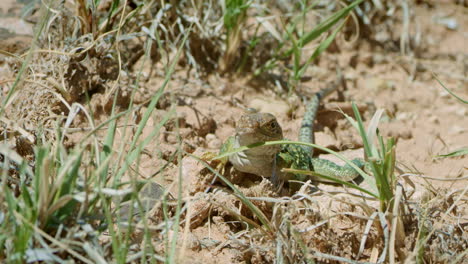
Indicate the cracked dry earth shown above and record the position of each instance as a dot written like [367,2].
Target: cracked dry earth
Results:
[425,120]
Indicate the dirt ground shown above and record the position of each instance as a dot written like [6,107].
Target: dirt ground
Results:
[425,120]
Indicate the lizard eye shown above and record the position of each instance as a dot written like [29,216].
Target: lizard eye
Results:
[271,129]
[273,125]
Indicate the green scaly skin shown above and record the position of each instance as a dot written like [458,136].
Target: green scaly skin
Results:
[301,157]
[268,162]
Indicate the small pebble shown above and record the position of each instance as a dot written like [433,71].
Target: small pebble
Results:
[270,105]
[403,116]
[454,130]
[434,119]
[213,142]
[444,94]
[378,84]
[449,22]
[461,112]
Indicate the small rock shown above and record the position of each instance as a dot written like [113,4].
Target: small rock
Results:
[449,22]
[434,119]
[379,59]
[404,116]
[378,84]
[210,137]
[454,130]
[444,94]
[186,132]
[270,105]
[193,90]
[461,112]
[213,142]
[171,138]
[383,36]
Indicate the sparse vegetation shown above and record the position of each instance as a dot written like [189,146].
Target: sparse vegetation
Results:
[108,112]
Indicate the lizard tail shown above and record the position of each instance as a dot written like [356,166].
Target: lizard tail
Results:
[306,132]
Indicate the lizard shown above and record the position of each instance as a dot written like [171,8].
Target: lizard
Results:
[267,161]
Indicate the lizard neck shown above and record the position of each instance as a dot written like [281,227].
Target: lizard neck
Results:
[258,160]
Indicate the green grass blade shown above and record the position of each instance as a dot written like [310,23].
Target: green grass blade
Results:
[450,92]
[312,173]
[456,153]
[319,50]
[324,26]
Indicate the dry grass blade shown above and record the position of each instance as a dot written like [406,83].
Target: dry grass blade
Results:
[93,253]
[366,234]
[53,240]
[449,91]
[397,234]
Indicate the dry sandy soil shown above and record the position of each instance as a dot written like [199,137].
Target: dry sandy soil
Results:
[425,120]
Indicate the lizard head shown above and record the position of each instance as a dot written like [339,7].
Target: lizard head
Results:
[258,127]
[254,128]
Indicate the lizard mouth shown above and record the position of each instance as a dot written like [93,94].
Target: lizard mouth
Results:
[245,131]
[249,135]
